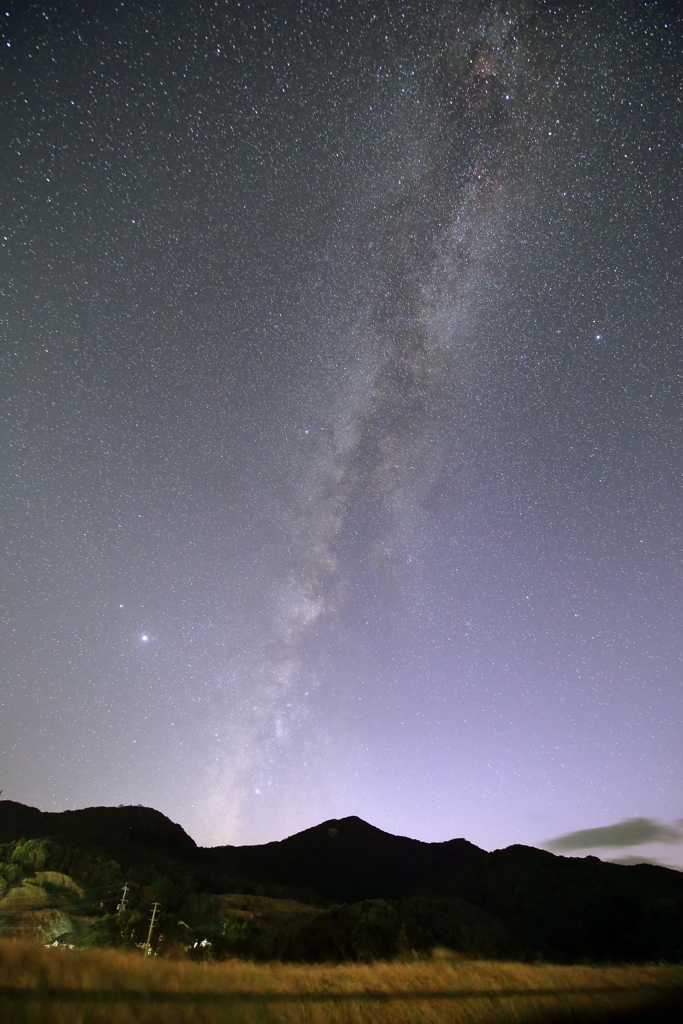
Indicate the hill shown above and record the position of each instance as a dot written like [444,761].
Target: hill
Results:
[340,889]
[350,860]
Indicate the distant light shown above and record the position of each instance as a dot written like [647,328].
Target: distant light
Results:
[144,638]
[598,337]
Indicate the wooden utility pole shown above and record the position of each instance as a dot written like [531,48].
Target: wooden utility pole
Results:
[122,904]
[148,948]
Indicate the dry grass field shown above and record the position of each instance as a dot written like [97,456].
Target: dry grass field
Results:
[53,986]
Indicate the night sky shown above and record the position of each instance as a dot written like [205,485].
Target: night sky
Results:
[342,373]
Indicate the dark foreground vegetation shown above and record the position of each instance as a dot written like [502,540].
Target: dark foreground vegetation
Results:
[341,891]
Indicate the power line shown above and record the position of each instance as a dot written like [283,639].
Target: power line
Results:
[70,907]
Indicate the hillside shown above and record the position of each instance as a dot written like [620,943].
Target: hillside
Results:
[340,889]
[350,860]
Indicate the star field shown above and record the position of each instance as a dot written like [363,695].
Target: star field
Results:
[342,383]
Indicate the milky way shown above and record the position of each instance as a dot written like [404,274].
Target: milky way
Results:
[343,388]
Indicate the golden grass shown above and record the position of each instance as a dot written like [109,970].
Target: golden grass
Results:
[53,986]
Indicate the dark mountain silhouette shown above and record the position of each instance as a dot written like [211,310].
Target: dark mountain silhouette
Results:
[348,860]
[528,902]
[138,828]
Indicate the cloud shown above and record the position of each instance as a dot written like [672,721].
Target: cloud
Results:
[633,832]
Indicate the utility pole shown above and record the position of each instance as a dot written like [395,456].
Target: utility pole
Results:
[122,904]
[148,948]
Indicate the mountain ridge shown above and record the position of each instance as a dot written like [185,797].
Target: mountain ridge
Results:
[563,908]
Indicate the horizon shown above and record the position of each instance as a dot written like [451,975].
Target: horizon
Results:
[624,861]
